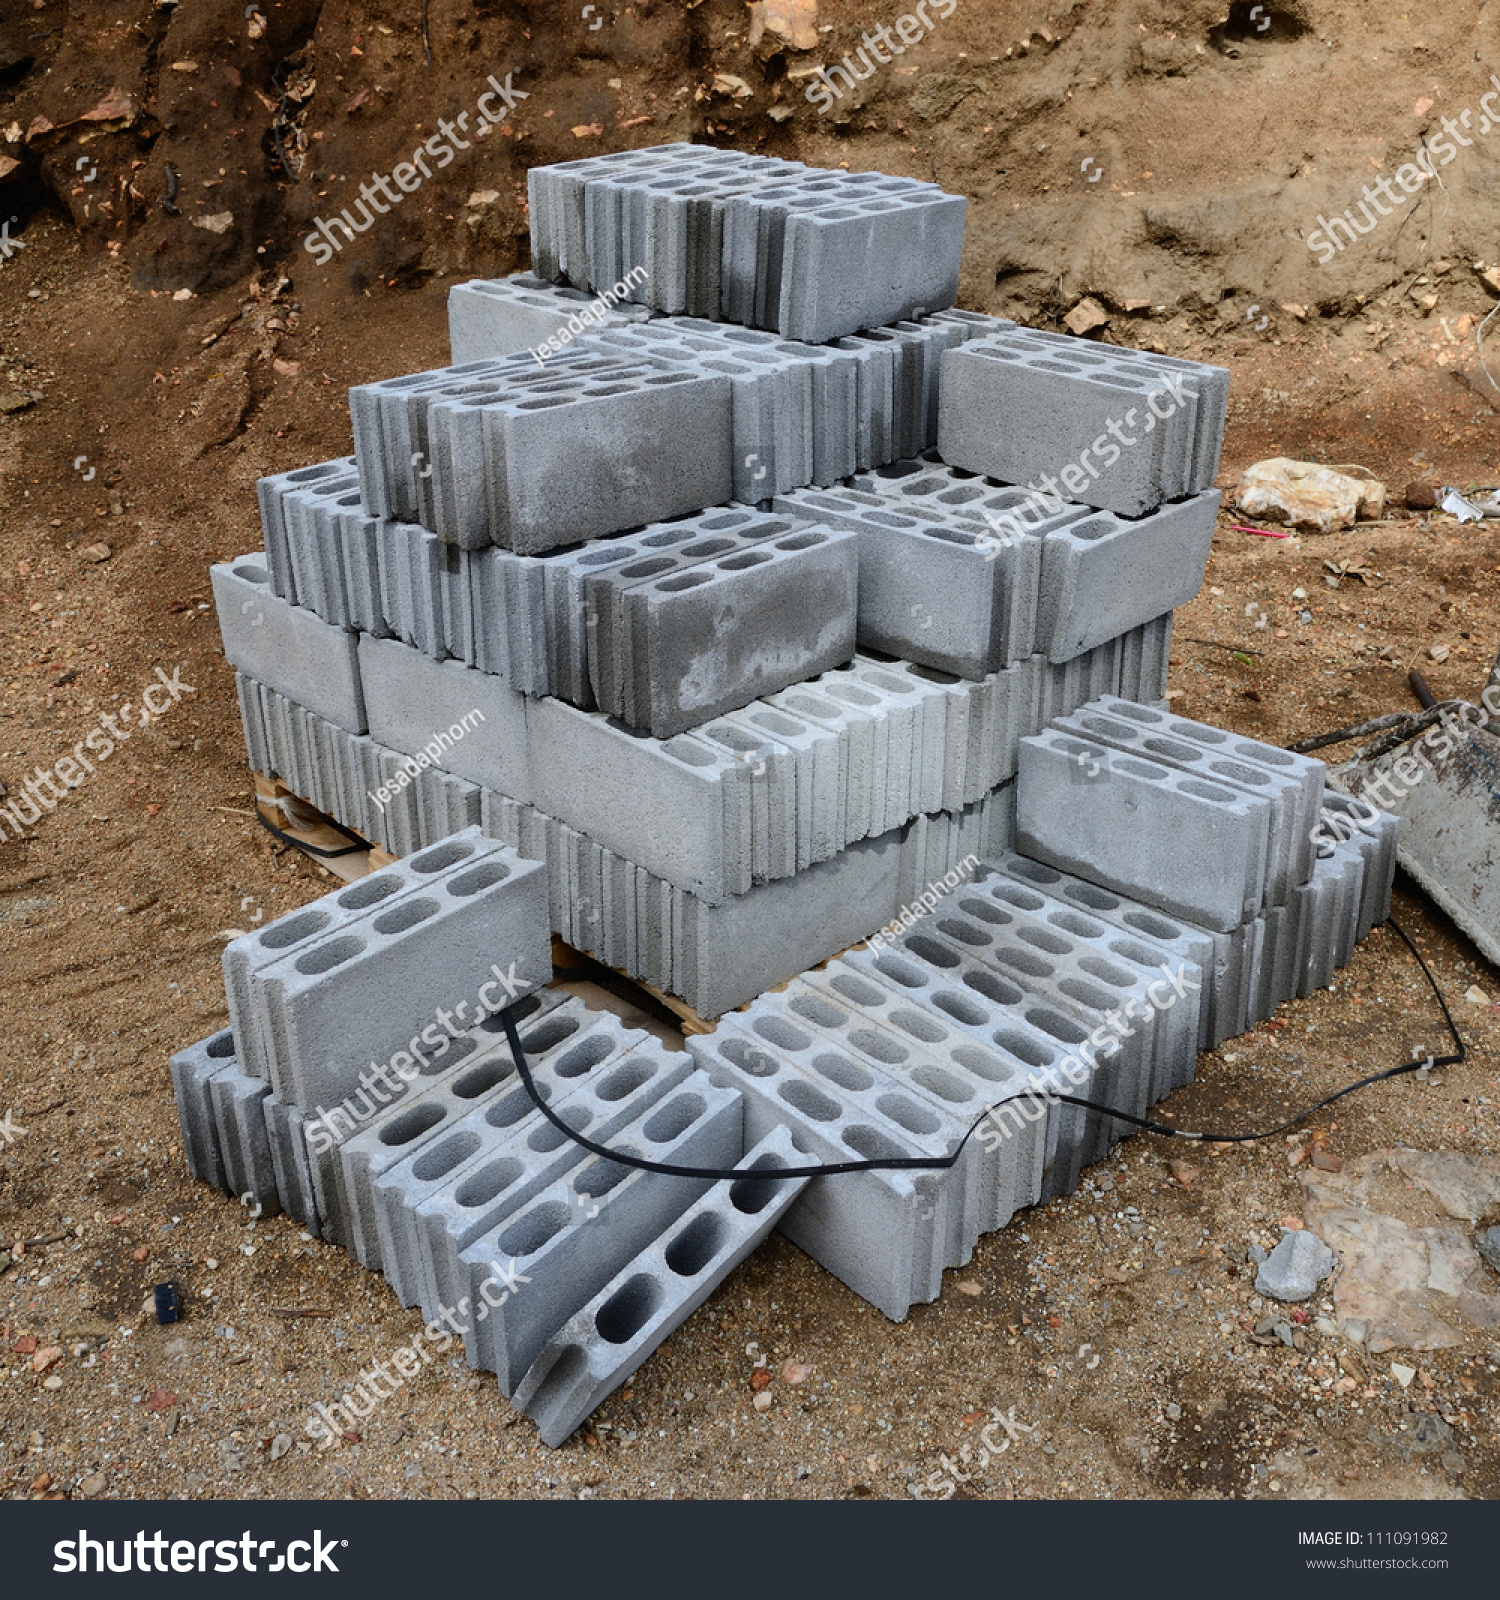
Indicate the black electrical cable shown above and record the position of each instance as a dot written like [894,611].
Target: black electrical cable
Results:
[942,1163]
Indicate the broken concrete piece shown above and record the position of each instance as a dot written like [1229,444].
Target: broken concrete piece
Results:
[1295,1268]
[1305,495]
[1412,1285]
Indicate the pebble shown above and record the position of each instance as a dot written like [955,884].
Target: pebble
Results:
[280,1445]
[1295,1268]
[1488,1244]
[95,1484]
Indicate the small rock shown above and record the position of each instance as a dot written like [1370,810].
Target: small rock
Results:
[1326,1161]
[1258,1254]
[53,1382]
[1087,315]
[160,1400]
[96,552]
[1186,1175]
[1421,496]
[96,1483]
[1439,653]
[763,1401]
[230,1456]
[1476,996]
[760,1379]
[15,401]
[46,1358]
[1173,1411]
[1295,1268]
[1488,1245]
[1402,1374]
[968,1288]
[1306,495]
[280,1445]
[795,1372]
[218,222]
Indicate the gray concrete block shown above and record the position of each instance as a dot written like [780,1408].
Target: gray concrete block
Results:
[270,492]
[876,1032]
[246,957]
[563,1246]
[253,721]
[490,317]
[373,1126]
[619,1079]
[562,459]
[1181,941]
[1142,731]
[311,533]
[1307,772]
[286,647]
[1032,1151]
[1104,575]
[244,1145]
[1377,834]
[687,819]
[1193,849]
[1018,412]
[611,1336]
[446,715]
[874,1230]
[927,591]
[748,944]
[420,1133]
[360,995]
[716,623]
[388,1173]
[192,1069]
[286,1133]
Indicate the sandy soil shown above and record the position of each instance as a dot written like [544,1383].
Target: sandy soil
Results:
[1123,1357]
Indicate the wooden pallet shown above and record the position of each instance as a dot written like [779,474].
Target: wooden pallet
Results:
[566,958]
[314,831]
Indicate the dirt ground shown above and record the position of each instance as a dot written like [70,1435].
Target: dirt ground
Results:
[153,370]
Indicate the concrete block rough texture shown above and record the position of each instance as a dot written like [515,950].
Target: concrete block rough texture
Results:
[610,1337]
[1193,849]
[285,647]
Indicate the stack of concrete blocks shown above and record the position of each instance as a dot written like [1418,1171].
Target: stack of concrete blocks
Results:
[434,1164]
[808,253]
[790,710]
[1214,830]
